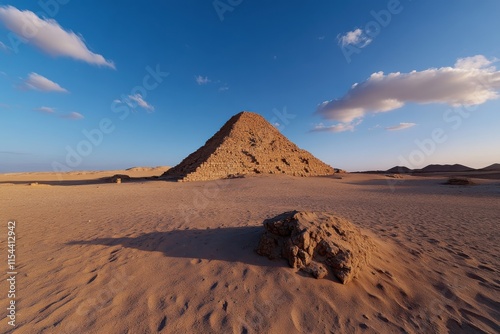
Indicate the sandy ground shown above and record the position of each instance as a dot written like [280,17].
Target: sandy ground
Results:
[157,256]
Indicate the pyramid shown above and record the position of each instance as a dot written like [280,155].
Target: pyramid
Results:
[247,144]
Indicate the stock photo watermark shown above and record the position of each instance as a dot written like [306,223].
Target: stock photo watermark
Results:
[223,6]
[257,319]
[122,108]
[426,147]
[49,9]
[354,41]
[453,118]
[281,119]
[11,273]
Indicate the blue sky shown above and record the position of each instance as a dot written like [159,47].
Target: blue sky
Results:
[149,82]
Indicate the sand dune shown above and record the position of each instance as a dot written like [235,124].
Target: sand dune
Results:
[155,256]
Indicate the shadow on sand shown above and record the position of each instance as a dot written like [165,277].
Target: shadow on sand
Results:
[97,181]
[232,244]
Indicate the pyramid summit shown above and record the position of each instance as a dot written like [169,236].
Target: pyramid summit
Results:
[247,144]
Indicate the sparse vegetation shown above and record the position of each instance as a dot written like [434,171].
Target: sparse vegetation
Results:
[459,181]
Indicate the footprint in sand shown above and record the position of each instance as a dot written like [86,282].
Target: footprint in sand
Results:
[363,326]
[381,317]
[92,279]
[184,309]
[113,256]
[476,277]
[481,266]
[464,255]
[162,324]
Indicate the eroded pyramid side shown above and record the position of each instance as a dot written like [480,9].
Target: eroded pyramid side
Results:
[247,144]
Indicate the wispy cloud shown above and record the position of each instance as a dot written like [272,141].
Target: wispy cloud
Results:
[471,81]
[320,38]
[356,37]
[47,110]
[52,111]
[36,81]
[200,80]
[137,98]
[400,126]
[72,115]
[134,101]
[340,127]
[49,36]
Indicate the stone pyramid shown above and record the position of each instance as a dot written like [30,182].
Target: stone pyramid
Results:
[247,144]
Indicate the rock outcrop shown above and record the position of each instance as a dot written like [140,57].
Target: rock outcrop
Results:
[247,144]
[317,243]
[118,178]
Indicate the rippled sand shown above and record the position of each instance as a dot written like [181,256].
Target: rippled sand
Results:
[153,256]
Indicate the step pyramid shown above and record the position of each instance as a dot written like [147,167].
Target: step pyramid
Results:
[247,144]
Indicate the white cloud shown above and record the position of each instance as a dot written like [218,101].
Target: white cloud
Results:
[321,38]
[134,101]
[223,88]
[400,126]
[471,81]
[356,37]
[475,62]
[73,115]
[47,110]
[201,80]
[37,82]
[49,36]
[137,98]
[340,127]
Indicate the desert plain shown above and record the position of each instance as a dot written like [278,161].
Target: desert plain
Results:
[154,256]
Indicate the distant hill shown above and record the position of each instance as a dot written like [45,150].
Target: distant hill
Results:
[399,170]
[444,168]
[489,172]
[491,168]
[436,168]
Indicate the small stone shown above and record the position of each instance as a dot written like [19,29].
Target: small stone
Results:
[317,270]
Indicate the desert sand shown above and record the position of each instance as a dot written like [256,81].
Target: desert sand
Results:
[150,256]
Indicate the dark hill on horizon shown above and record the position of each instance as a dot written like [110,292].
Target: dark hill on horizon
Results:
[436,168]
[490,172]
[399,170]
[447,168]
[491,168]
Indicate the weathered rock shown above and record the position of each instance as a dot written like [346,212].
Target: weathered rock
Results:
[459,181]
[247,144]
[316,243]
[118,178]
[394,176]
